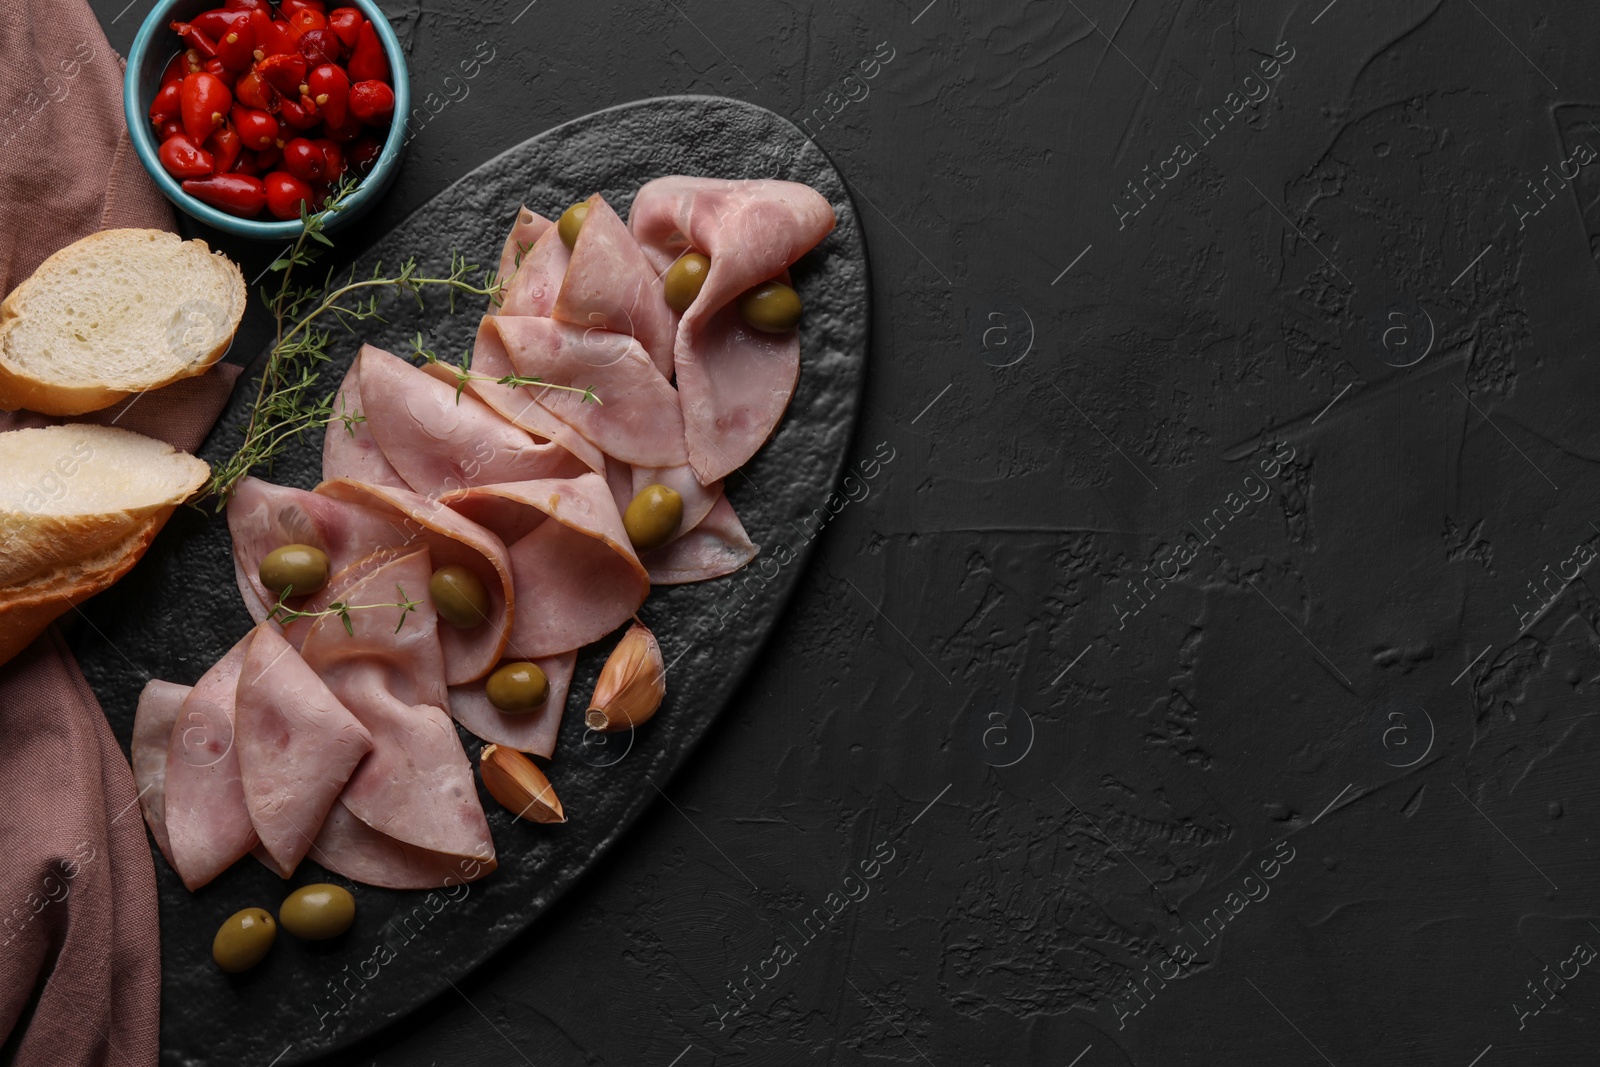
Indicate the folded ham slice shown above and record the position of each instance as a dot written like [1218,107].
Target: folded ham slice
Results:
[528,228]
[416,784]
[532,290]
[263,516]
[297,747]
[637,420]
[348,448]
[610,284]
[350,847]
[440,438]
[535,732]
[578,572]
[718,545]
[159,705]
[735,382]
[451,539]
[208,824]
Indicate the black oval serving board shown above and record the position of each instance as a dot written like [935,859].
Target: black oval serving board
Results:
[179,610]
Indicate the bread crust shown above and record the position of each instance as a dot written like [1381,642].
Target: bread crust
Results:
[19,389]
[25,610]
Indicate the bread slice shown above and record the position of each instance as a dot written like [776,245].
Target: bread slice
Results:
[25,610]
[68,493]
[116,313]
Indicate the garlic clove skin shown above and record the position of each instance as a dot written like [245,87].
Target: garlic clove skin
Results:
[632,683]
[519,785]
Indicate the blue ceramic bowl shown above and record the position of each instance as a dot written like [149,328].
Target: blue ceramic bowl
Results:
[155,46]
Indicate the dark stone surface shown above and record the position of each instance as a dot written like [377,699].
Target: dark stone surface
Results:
[180,611]
[1247,709]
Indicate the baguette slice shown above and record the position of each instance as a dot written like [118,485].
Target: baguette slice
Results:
[25,610]
[116,313]
[69,493]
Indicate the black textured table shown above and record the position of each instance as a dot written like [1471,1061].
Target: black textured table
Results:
[1204,672]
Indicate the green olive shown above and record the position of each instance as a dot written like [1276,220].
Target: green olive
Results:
[318,912]
[459,596]
[653,517]
[770,307]
[243,940]
[684,280]
[571,222]
[518,688]
[304,567]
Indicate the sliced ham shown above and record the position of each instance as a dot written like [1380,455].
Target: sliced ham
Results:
[208,824]
[610,284]
[532,290]
[569,455]
[517,405]
[348,448]
[451,539]
[736,382]
[263,517]
[535,732]
[717,545]
[297,747]
[440,438]
[578,573]
[416,784]
[159,705]
[528,228]
[350,847]
[637,420]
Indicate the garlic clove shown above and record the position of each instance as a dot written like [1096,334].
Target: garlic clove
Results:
[632,683]
[519,785]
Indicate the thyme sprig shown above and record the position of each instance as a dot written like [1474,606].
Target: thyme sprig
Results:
[463,374]
[282,613]
[288,405]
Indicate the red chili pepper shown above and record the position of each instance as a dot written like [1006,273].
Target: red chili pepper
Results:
[363,153]
[216,69]
[372,102]
[167,103]
[288,34]
[348,132]
[236,47]
[196,40]
[247,164]
[214,23]
[269,156]
[183,159]
[237,194]
[270,38]
[303,159]
[321,46]
[168,128]
[290,113]
[307,18]
[285,193]
[289,7]
[246,5]
[206,100]
[252,91]
[346,22]
[335,157]
[330,89]
[224,146]
[176,69]
[367,61]
[285,73]
[256,128]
